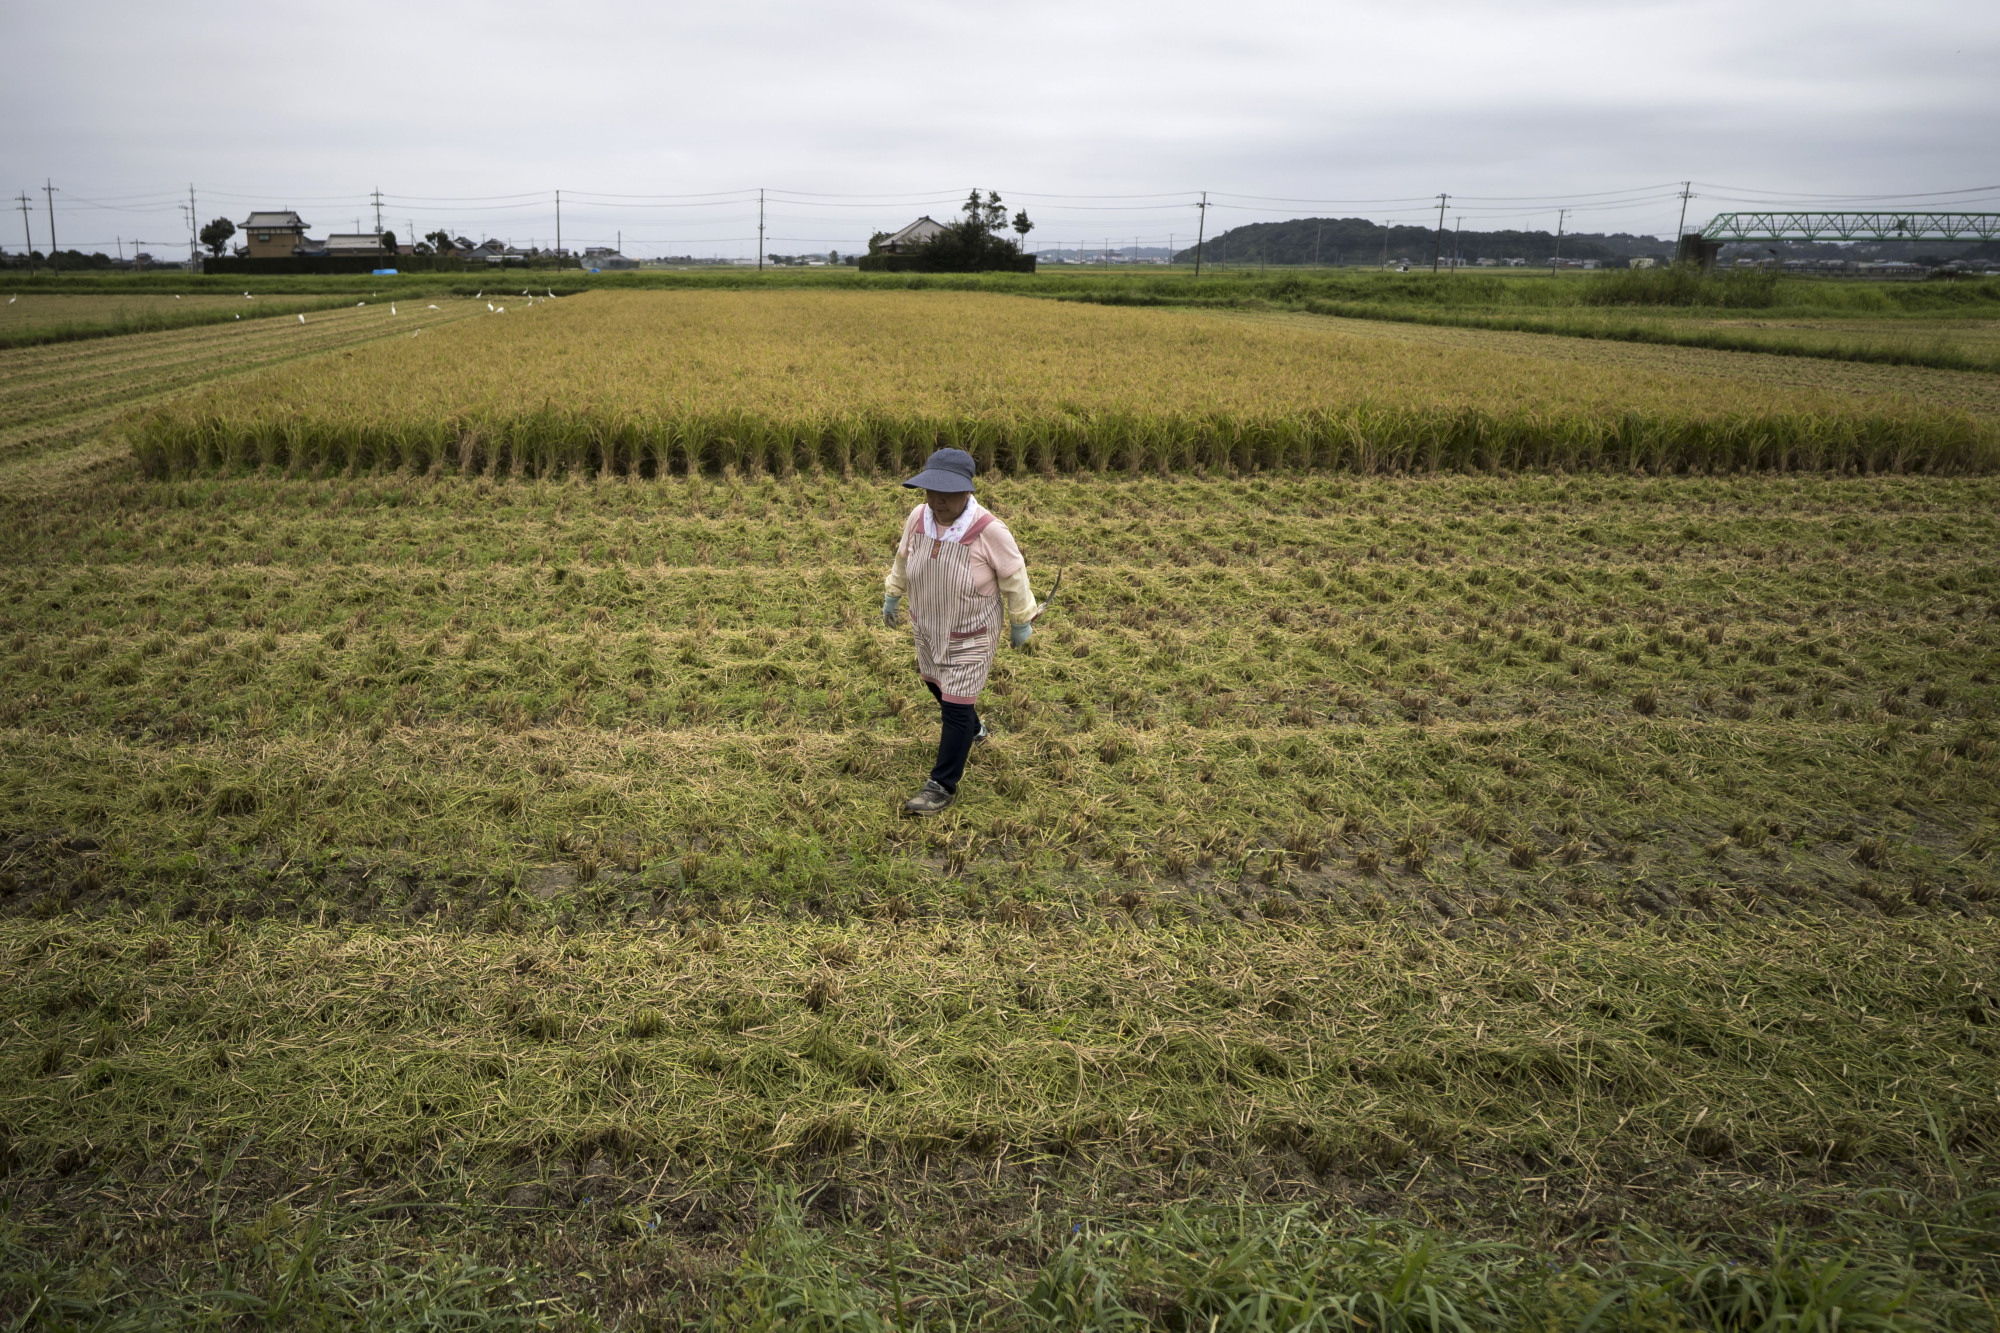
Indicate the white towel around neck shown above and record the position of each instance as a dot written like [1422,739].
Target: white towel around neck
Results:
[959,525]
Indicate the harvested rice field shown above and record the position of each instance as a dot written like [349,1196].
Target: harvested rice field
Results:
[35,317]
[1974,393]
[1464,899]
[71,392]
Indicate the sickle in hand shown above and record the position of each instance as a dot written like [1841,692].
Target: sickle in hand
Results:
[1048,601]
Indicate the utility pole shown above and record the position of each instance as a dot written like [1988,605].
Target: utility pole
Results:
[194,234]
[1318,227]
[375,194]
[27,235]
[49,189]
[760,230]
[1201,229]
[558,230]
[1437,250]
[1556,263]
[1385,242]
[1457,225]
[1680,232]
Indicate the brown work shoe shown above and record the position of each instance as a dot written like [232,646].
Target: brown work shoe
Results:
[929,801]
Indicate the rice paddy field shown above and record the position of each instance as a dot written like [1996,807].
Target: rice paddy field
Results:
[1946,344]
[778,380]
[38,317]
[56,396]
[450,869]
[1945,324]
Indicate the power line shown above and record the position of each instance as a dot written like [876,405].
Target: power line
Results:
[1858,198]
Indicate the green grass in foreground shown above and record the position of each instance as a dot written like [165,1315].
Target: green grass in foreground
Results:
[1663,1128]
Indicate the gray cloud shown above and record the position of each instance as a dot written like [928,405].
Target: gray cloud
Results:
[1515,109]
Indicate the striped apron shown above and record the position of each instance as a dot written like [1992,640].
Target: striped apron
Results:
[957,629]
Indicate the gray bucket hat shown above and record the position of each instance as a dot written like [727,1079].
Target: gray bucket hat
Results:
[945,470]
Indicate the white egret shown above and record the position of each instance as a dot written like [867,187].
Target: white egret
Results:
[434,307]
[302,319]
[489,305]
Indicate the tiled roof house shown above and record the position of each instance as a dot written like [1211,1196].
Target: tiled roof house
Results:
[912,236]
[273,234]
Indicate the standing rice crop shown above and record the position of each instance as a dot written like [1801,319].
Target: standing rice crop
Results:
[682,382]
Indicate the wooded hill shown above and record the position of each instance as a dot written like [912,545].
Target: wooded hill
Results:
[1359,241]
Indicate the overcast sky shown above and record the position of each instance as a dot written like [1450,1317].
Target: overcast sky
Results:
[1103,120]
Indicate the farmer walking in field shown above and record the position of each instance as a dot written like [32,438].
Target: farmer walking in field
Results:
[959,566]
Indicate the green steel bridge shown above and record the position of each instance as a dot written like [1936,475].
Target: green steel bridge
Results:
[1728,227]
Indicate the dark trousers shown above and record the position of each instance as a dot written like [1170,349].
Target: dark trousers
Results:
[961,726]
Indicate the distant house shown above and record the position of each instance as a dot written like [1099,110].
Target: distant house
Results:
[356,243]
[605,257]
[494,252]
[273,235]
[911,237]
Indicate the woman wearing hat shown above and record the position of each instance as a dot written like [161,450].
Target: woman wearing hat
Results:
[958,565]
